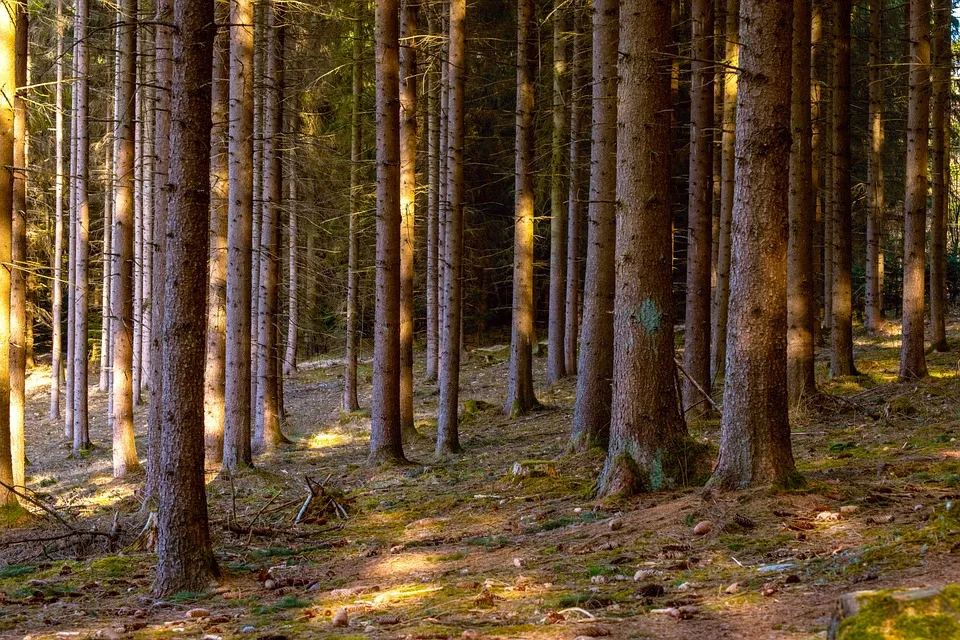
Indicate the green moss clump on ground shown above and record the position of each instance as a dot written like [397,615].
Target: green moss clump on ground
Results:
[892,615]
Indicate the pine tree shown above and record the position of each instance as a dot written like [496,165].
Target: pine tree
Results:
[8,86]
[873,307]
[556,362]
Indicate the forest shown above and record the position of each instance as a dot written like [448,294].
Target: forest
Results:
[435,319]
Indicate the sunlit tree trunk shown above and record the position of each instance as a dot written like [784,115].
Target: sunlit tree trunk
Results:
[579,64]
[755,429]
[81,423]
[8,85]
[106,329]
[148,252]
[56,348]
[591,416]
[18,274]
[293,269]
[873,309]
[350,402]
[556,362]
[941,43]
[408,200]
[520,395]
[259,64]
[71,261]
[913,362]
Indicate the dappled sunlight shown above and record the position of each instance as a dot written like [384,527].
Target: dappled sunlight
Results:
[400,566]
[327,439]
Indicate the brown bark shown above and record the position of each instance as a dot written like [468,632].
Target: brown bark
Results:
[18,275]
[81,422]
[556,362]
[293,271]
[8,84]
[185,560]
[433,208]
[941,43]
[448,439]
[801,380]
[71,262]
[873,310]
[816,162]
[696,344]
[56,348]
[236,435]
[350,402]
[520,395]
[575,200]
[913,362]
[105,328]
[755,430]
[591,417]
[827,150]
[124,448]
[385,441]
[647,432]
[408,202]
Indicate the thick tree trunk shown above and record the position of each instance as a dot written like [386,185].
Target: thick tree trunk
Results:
[591,416]
[433,209]
[520,395]
[385,440]
[647,432]
[801,379]
[575,201]
[755,430]
[721,309]
[942,44]
[8,85]
[696,345]
[268,434]
[124,448]
[236,443]
[350,402]
[56,349]
[913,362]
[408,202]
[81,421]
[448,438]
[873,310]
[18,274]
[556,362]
[185,560]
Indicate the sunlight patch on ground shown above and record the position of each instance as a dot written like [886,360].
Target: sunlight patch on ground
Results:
[403,565]
[327,439]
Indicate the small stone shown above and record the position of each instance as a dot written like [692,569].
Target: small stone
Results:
[616,525]
[828,516]
[269,584]
[644,574]
[578,510]
[733,588]
[198,613]
[341,618]
[686,586]
[918,507]
[848,509]
[703,528]
[519,563]
[248,629]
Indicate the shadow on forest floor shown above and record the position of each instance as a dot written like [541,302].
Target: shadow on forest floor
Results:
[458,548]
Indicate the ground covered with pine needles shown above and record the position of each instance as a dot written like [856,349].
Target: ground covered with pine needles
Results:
[464,548]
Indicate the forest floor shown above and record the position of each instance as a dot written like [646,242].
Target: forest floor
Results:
[460,547]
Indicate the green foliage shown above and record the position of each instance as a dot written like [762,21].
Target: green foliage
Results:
[288,602]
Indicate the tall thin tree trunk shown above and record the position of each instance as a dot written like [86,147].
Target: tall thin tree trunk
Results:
[448,435]
[124,448]
[56,349]
[433,208]
[71,255]
[520,395]
[696,345]
[148,252]
[105,328]
[827,150]
[755,429]
[259,63]
[873,310]
[215,367]
[578,85]
[408,200]
[81,422]
[942,68]
[556,362]
[8,85]
[18,274]
[591,416]
[385,437]
[293,268]
[816,162]
[913,362]
[801,379]
[184,549]
[444,202]
[350,402]
[237,445]
[138,194]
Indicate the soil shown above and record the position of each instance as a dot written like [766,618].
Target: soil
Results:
[461,547]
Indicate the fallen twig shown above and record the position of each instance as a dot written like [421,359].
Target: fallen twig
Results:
[698,387]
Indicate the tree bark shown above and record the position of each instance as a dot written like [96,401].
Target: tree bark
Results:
[105,313]
[827,114]
[873,309]
[816,162]
[801,379]
[942,44]
[556,361]
[913,362]
[578,83]
[236,444]
[71,261]
[185,560]
[520,394]
[350,402]
[591,417]
[18,274]
[647,432]
[408,201]
[696,344]
[448,437]
[433,209]
[755,430]
[293,270]
[385,440]
[8,84]
[56,348]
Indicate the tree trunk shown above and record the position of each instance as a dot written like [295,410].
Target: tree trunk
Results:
[293,270]
[124,448]
[941,43]
[873,310]
[350,402]
[71,261]
[105,328]
[841,360]
[520,395]
[8,83]
[56,348]
[591,416]
[913,363]
[147,223]
[721,309]
[268,434]
[696,344]
[801,379]
[647,432]
[448,436]
[433,209]
[755,429]
[385,441]
[81,422]
[816,162]
[185,560]
[259,64]
[827,149]
[138,162]
[236,444]
[18,274]
[578,84]
[408,200]
[556,362]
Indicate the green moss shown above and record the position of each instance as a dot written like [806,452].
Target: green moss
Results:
[892,615]
[288,602]
[114,566]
